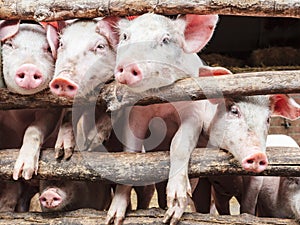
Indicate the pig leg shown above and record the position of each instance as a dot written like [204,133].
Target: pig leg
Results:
[9,195]
[183,143]
[119,205]
[27,162]
[161,194]
[144,196]
[251,188]
[28,190]
[65,143]
[133,142]
[202,195]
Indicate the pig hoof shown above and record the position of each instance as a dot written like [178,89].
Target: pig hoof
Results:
[59,152]
[68,153]
[173,214]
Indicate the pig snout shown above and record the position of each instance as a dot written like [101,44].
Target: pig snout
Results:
[255,162]
[28,76]
[50,198]
[130,74]
[63,87]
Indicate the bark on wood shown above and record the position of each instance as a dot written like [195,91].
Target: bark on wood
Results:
[139,217]
[116,96]
[141,168]
[61,9]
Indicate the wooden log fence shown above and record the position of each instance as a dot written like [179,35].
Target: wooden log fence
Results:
[150,167]
[60,9]
[116,96]
[140,217]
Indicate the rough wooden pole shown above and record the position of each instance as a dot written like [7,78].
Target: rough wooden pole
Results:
[141,168]
[61,9]
[140,217]
[116,96]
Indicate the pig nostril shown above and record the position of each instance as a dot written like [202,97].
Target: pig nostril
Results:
[21,75]
[37,77]
[55,199]
[56,86]
[43,199]
[135,73]
[262,163]
[70,87]
[121,70]
[250,161]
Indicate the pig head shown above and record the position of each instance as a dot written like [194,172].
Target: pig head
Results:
[155,51]
[28,54]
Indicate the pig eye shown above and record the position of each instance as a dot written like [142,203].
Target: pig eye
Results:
[124,37]
[9,44]
[234,110]
[100,46]
[166,40]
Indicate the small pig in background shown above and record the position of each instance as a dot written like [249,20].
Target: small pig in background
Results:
[28,54]
[155,51]
[67,195]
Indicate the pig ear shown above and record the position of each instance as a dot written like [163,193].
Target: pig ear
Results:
[205,71]
[284,106]
[8,28]
[52,38]
[198,31]
[107,27]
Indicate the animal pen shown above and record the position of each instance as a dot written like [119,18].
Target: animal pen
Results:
[122,167]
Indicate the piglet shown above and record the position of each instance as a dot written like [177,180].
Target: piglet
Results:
[66,195]
[28,54]
[240,125]
[85,61]
[154,51]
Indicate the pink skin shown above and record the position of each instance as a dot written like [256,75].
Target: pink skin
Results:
[50,198]
[256,162]
[61,86]
[129,74]
[28,76]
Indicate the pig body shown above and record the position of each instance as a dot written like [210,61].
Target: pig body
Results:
[27,69]
[71,195]
[155,51]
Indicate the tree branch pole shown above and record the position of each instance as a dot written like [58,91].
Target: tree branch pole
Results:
[150,167]
[116,96]
[151,216]
[46,10]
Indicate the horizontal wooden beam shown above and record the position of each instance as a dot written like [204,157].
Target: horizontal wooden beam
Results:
[116,96]
[61,9]
[140,168]
[138,217]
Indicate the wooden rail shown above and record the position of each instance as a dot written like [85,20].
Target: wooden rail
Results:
[141,217]
[116,96]
[61,9]
[138,168]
